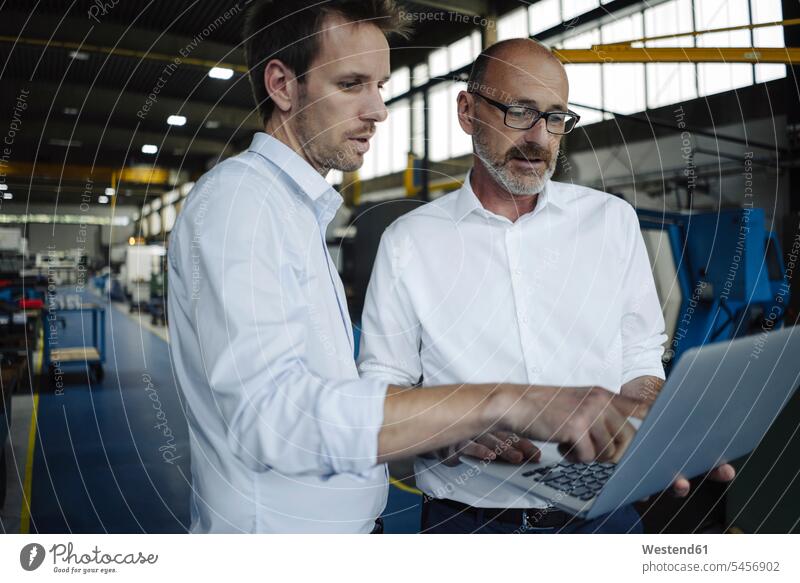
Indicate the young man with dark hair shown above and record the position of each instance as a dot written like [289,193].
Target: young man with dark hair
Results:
[285,437]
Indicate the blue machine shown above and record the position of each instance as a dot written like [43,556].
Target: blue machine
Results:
[730,273]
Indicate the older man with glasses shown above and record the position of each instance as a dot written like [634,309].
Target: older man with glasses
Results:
[516,278]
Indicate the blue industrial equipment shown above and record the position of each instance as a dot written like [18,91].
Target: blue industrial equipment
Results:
[730,273]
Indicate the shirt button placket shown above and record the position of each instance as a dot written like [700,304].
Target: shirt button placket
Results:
[521,303]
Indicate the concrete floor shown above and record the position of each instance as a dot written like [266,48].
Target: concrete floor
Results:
[97,464]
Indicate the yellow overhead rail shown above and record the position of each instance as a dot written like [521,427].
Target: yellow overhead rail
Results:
[119,52]
[788,22]
[137,174]
[623,52]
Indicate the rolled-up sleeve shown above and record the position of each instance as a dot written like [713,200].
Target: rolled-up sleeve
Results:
[643,334]
[390,345]
[253,319]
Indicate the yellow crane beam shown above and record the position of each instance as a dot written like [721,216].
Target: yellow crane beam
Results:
[134,174]
[626,54]
[787,22]
[120,52]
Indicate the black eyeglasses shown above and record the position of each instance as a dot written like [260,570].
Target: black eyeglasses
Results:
[520,117]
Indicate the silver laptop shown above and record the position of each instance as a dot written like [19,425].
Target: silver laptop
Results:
[717,404]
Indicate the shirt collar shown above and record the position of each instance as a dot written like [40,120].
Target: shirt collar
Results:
[310,182]
[467,202]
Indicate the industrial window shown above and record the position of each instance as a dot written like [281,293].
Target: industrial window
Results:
[389,144]
[772,36]
[476,44]
[544,15]
[623,84]
[440,113]
[369,167]
[399,82]
[399,127]
[719,77]
[585,81]
[419,76]
[460,53]
[438,64]
[670,82]
[573,8]
[513,24]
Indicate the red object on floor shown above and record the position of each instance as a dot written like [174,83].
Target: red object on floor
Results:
[30,304]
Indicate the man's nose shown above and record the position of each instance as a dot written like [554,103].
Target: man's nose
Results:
[538,133]
[374,108]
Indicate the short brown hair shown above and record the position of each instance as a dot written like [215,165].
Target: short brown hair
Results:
[288,31]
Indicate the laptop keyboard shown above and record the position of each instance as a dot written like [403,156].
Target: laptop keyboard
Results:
[582,481]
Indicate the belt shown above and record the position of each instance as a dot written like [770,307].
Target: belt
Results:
[522,517]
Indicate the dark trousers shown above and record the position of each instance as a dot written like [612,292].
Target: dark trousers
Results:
[438,518]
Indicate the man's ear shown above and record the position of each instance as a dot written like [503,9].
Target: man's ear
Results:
[465,107]
[281,84]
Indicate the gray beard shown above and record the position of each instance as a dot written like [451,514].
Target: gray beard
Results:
[516,185]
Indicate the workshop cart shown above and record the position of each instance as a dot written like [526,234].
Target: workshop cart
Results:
[56,356]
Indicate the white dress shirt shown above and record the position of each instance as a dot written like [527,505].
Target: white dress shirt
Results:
[284,434]
[563,296]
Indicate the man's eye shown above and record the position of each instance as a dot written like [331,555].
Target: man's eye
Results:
[348,84]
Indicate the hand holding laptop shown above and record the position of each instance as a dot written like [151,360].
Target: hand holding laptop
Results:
[723,473]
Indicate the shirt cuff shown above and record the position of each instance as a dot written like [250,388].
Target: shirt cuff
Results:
[350,417]
[644,371]
[375,371]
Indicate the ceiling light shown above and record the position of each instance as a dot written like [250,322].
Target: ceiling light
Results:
[3,186]
[149,149]
[71,111]
[79,55]
[212,124]
[7,196]
[64,142]
[110,191]
[102,199]
[176,120]
[220,73]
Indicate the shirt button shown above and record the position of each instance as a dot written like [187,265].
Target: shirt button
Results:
[524,319]
[534,370]
[517,272]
